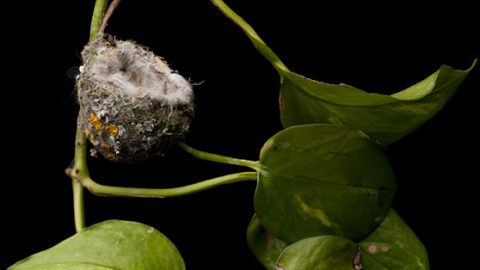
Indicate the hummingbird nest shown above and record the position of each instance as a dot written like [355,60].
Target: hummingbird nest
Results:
[132,105]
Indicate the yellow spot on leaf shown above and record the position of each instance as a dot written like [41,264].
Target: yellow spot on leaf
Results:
[372,248]
[316,213]
[384,247]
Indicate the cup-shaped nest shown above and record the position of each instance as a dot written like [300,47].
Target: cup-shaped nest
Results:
[132,105]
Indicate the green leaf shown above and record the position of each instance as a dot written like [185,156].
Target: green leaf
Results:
[264,245]
[386,118]
[110,245]
[395,245]
[325,252]
[322,179]
[392,246]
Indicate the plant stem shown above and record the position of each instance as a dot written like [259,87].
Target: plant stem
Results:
[102,190]
[78,206]
[80,168]
[108,14]
[97,18]
[219,158]
[252,35]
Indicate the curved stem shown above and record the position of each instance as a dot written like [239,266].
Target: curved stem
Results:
[252,35]
[103,190]
[219,158]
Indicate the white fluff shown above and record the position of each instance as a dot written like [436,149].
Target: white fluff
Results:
[139,73]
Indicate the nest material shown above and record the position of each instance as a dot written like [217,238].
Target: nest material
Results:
[133,106]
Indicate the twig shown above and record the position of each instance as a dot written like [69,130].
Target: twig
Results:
[108,14]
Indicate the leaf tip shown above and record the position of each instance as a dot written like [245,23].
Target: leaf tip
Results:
[473,65]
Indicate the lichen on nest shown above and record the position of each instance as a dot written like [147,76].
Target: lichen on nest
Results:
[132,105]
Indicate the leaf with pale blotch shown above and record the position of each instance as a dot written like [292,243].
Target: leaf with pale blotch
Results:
[325,252]
[110,245]
[264,245]
[322,179]
[386,118]
[395,245]
[392,246]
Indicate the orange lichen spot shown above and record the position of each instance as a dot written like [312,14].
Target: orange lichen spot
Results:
[105,145]
[89,132]
[111,156]
[95,122]
[112,130]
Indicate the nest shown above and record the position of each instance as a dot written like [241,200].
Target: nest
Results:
[132,105]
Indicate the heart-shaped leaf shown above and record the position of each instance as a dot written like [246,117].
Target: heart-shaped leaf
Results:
[386,118]
[322,179]
[392,246]
[264,245]
[110,245]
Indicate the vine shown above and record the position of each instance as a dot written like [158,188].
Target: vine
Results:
[324,186]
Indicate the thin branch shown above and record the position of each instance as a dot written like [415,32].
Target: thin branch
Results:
[108,14]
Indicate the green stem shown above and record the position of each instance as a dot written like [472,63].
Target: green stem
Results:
[102,190]
[78,206]
[252,35]
[97,18]
[219,158]
[80,168]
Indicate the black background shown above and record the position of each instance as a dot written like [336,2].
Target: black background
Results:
[380,47]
